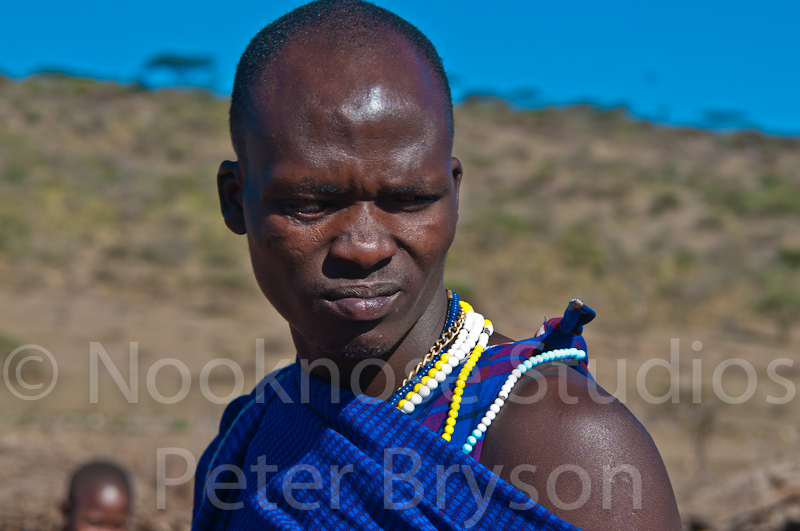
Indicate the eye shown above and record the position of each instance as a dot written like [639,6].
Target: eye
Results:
[411,203]
[307,209]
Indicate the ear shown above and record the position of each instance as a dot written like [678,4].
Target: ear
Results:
[457,172]
[230,186]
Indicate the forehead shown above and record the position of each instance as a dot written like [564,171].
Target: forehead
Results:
[314,96]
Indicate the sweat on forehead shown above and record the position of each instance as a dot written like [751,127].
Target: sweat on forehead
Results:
[343,25]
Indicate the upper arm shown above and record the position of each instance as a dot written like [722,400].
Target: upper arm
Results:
[581,454]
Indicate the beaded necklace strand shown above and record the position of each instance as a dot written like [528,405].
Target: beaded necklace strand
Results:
[553,355]
[441,345]
[465,341]
[455,404]
[453,324]
[464,338]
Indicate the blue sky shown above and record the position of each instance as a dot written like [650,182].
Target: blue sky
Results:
[669,60]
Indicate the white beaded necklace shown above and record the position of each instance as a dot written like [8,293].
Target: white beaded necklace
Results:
[466,340]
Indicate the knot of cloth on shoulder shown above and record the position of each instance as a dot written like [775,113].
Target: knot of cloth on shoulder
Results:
[565,332]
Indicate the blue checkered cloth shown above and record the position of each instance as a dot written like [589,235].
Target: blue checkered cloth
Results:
[300,454]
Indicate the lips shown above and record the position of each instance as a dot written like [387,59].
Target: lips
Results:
[362,303]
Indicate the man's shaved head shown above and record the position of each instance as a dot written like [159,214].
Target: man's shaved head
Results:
[333,25]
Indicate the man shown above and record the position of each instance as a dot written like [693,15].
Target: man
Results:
[347,191]
[99,499]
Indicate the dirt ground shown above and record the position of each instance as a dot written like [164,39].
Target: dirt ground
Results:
[726,461]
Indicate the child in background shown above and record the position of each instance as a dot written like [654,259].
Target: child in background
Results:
[100,498]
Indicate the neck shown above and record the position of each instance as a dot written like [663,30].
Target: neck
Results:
[381,375]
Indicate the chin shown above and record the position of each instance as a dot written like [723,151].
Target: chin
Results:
[362,346]
[356,353]
[358,348]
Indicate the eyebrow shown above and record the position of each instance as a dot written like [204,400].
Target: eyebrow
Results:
[399,190]
[318,188]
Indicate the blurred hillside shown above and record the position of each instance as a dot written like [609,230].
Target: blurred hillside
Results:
[110,231]
[651,224]
[112,189]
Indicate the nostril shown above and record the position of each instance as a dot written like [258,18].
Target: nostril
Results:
[334,267]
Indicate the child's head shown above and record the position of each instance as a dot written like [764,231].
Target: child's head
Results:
[99,498]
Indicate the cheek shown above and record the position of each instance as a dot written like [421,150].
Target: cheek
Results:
[432,236]
[284,251]
[281,239]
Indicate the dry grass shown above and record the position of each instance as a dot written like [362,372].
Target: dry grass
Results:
[110,232]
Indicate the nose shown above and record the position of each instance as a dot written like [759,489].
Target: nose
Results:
[365,237]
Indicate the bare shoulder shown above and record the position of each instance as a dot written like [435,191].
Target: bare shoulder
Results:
[580,453]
